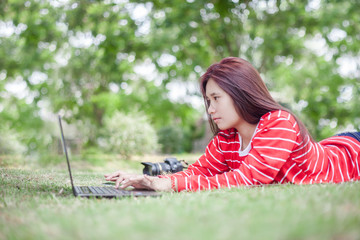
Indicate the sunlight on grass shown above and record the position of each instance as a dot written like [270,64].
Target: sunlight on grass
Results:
[38,204]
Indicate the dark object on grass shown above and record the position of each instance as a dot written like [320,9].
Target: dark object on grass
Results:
[170,165]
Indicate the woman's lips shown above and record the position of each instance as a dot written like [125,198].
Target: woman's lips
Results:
[216,119]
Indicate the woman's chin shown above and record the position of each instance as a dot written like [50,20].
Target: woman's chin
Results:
[221,127]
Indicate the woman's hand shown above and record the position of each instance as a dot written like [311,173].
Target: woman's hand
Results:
[118,177]
[124,180]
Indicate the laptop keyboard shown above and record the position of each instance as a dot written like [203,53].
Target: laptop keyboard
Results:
[101,190]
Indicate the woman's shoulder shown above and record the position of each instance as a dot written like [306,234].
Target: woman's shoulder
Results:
[281,117]
[275,114]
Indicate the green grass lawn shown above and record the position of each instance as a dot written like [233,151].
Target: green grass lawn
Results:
[38,204]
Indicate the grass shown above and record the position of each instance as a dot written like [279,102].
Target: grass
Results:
[38,204]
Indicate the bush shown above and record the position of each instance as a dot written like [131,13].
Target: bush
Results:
[128,135]
[171,139]
[9,142]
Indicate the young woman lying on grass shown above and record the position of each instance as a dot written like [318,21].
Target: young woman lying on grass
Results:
[256,141]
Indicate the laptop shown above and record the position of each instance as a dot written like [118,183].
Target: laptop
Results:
[100,192]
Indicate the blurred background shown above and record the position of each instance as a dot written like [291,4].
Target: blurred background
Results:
[124,74]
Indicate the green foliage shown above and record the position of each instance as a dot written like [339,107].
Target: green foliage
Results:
[171,139]
[94,156]
[9,142]
[128,135]
[82,58]
[318,102]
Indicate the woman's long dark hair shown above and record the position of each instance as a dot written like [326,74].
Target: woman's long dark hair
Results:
[243,83]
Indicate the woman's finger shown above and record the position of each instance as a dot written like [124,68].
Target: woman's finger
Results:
[129,182]
[136,182]
[112,175]
[118,181]
[112,179]
[109,176]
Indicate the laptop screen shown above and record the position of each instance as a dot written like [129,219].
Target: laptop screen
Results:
[66,153]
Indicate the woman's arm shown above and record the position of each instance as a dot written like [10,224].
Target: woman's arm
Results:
[271,149]
[212,162]
[124,180]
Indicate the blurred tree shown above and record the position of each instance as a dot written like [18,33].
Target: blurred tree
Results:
[297,47]
[170,139]
[128,135]
[88,59]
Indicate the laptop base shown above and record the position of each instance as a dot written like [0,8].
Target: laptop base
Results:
[111,192]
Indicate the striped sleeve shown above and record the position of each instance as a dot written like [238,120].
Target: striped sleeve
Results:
[212,162]
[271,148]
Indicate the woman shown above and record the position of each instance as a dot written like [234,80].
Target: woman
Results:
[256,141]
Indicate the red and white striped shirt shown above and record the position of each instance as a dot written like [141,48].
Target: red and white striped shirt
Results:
[277,155]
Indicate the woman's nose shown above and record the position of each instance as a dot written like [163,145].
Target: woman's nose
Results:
[211,109]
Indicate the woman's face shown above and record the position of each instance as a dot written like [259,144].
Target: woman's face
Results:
[221,107]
